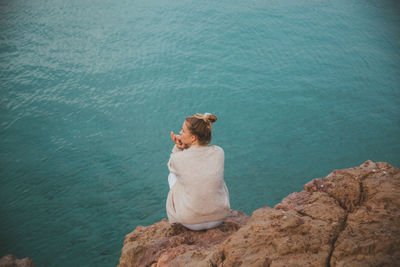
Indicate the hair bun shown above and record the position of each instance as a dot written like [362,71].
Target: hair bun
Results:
[210,117]
[206,117]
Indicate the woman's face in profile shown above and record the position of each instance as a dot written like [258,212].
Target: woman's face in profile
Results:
[186,137]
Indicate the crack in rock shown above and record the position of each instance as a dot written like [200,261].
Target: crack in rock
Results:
[343,225]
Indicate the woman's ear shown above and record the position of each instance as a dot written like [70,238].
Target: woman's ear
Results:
[194,138]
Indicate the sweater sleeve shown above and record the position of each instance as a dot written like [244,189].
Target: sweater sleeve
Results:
[173,163]
[176,149]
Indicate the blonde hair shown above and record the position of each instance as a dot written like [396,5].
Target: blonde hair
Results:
[200,125]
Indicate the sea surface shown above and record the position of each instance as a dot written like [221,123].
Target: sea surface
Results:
[90,90]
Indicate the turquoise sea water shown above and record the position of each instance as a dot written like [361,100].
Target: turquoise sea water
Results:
[91,89]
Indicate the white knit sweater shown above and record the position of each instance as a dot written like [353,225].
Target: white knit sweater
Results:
[200,194]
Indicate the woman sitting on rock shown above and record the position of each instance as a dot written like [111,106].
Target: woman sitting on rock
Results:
[198,197]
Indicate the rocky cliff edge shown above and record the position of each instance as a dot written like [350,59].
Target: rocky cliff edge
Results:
[349,218]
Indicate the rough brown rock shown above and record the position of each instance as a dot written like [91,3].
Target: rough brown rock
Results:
[12,261]
[371,236]
[163,244]
[349,218]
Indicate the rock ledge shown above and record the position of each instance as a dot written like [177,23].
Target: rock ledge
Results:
[349,218]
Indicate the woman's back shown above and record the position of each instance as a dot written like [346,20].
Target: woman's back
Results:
[200,193]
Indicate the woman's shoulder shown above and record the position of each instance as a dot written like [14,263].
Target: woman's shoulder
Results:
[213,149]
[216,150]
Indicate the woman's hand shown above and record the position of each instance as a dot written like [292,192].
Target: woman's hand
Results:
[177,140]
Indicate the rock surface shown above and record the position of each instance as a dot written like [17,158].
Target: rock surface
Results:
[349,218]
[12,261]
[163,244]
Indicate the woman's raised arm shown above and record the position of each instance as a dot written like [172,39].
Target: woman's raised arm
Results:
[177,140]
